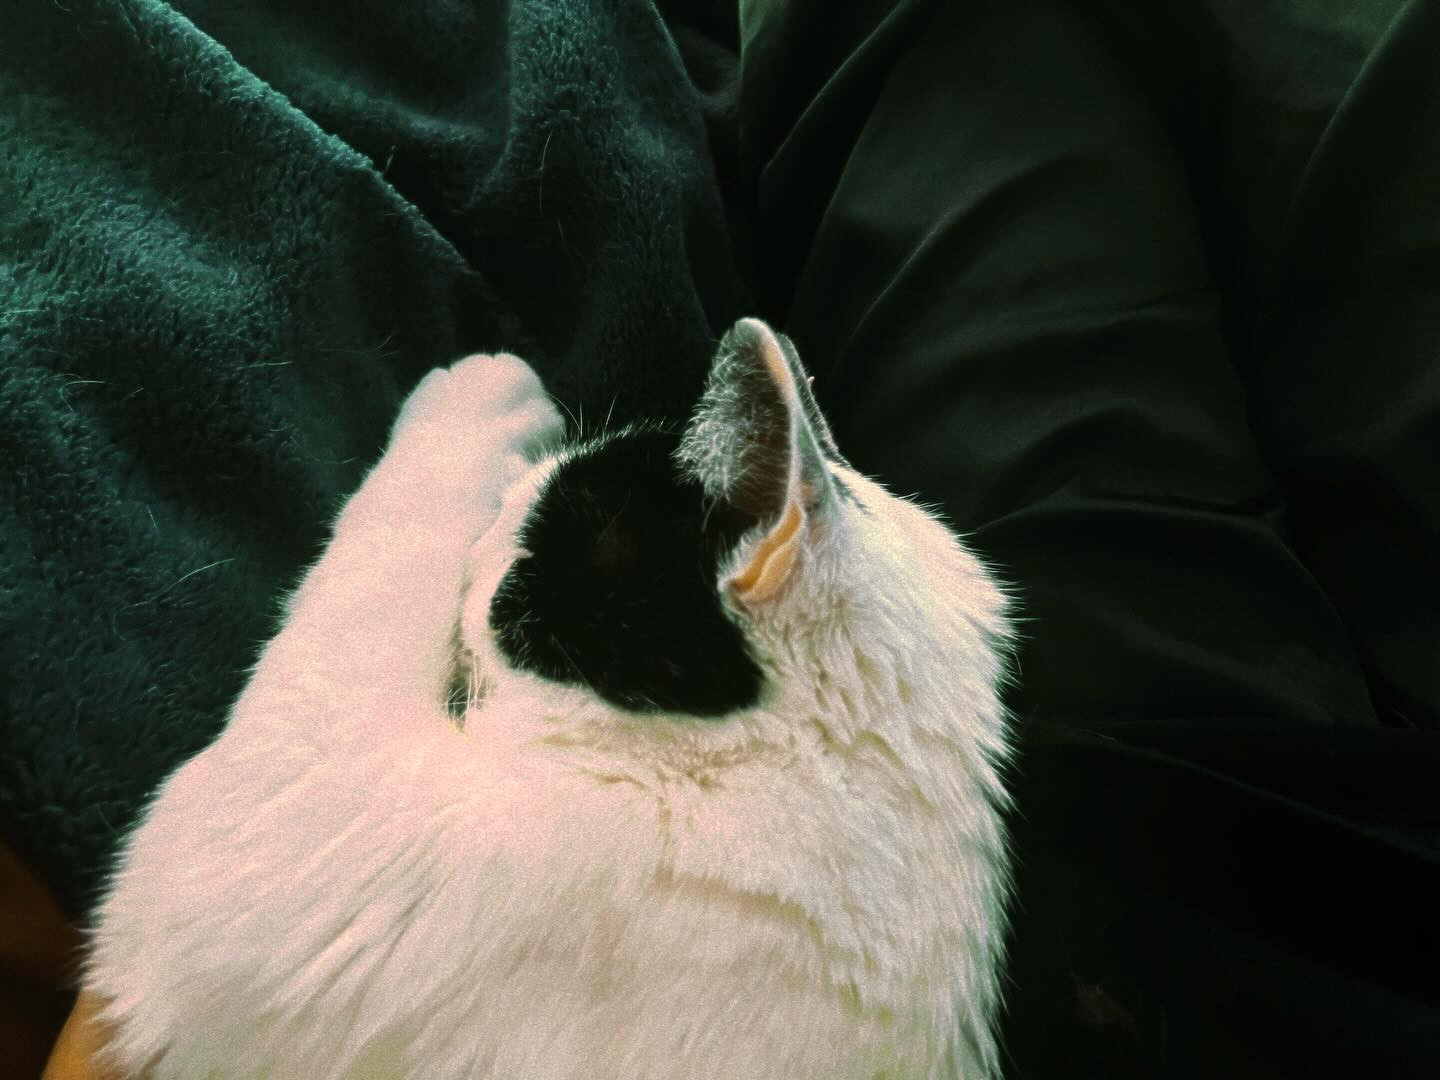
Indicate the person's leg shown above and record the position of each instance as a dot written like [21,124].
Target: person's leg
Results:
[1346,366]
[983,237]
[982,240]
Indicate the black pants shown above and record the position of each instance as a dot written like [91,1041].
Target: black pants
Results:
[1148,296]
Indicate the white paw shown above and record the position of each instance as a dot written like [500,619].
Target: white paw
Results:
[495,403]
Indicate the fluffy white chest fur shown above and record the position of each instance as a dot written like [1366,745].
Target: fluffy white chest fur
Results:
[723,802]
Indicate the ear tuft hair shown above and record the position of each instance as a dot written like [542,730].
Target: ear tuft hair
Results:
[757,441]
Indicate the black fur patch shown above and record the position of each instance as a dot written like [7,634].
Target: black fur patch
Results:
[618,589]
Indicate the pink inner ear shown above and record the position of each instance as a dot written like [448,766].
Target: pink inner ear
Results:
[774,360]
[773,561]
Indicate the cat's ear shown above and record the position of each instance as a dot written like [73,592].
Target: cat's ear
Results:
[758,444]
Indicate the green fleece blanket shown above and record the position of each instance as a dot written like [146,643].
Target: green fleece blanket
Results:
[211,305]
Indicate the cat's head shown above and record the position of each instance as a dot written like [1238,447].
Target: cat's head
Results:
[732,568]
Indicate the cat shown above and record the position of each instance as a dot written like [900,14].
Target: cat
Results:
[722,795]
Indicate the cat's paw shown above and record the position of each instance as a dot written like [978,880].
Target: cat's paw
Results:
[476,388]
[481,405]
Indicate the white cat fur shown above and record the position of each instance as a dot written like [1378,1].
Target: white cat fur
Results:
[349,884]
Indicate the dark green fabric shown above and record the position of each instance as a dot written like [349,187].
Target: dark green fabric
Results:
[1143,294]
[231,238]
